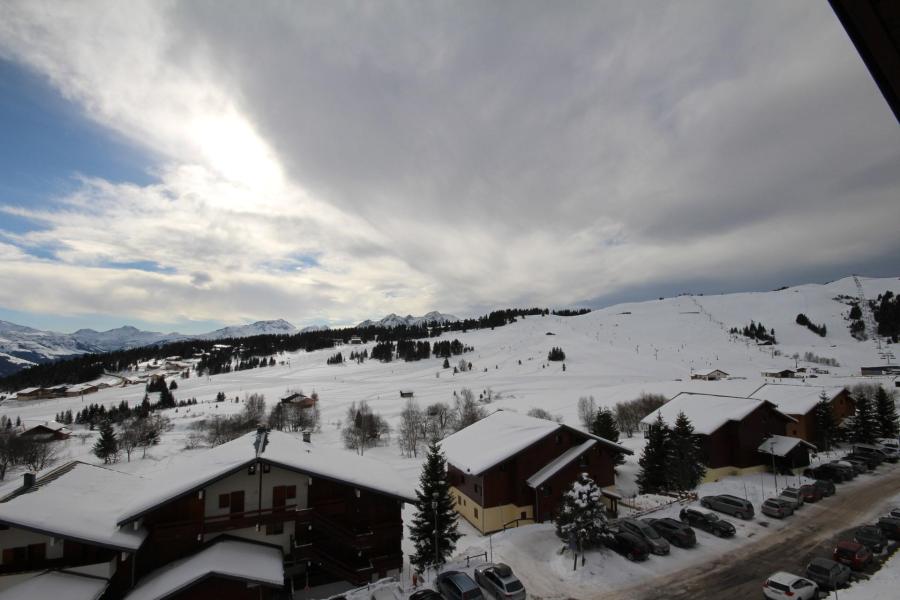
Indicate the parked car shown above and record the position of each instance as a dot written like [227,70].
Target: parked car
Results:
[787,585]
[499,581]
[777,507]
[793,496]
[871,537]
[657,543]
[679,534]
[873,450]
[627,544]
[728,504]
[895,512]
[828,471]
[454,585]
[810,493]
[890,527]
[853,554]
[425,594]
[825,487]
[707,522]
[871,462]
[849,470]
[828,574]
[891,452]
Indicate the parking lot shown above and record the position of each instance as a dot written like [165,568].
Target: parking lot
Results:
[811,532]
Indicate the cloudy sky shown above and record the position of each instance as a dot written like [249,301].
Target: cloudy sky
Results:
[188,164]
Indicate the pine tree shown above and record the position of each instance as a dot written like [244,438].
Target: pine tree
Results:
[654,474]
[864,427]
[107,446]
[581,516]
[685,455]
[433,488]
[604,425]
[886,411]
[827,432]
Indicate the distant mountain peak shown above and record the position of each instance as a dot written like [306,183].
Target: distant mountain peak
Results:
[394,320]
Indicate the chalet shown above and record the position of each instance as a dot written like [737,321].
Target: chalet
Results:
[226,568]
[31,393]
[65,519]
[50,584]
[788,454]
[782,374]
[509,468]
[81,389]
[355,340]
[714,375]
[880,370]
[46,431]
[407,393]
[335,516]
[298,399]
[730,429]
[799,401]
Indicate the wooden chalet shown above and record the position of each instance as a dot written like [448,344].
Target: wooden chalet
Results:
[335,516]
[799,401]
[730,429]
[714,375]
[235,522]
[780,374]
[509,469]
[46,431]
[298,399]
[788,454]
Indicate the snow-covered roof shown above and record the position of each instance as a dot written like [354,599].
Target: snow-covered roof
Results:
[27,390]
[283,449]
[54,584]
[781,445]
[228,558]
[77,501]
[707,412]
[794,399]
[553,467]
[498,436]
[51,425]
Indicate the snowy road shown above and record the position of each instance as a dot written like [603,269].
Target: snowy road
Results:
[741,573]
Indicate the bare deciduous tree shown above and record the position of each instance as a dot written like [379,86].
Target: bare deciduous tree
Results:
[411,433]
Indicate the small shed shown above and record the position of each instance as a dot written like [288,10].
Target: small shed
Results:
[782,374]
[714,375]
[407,393]
[786,453]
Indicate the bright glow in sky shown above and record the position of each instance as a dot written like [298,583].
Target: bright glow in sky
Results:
[198,163]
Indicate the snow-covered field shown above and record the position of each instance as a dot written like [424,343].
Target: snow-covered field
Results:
[613,354]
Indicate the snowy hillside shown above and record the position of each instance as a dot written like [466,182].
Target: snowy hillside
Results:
[21,346]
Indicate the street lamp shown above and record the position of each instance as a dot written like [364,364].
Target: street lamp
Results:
[434,507]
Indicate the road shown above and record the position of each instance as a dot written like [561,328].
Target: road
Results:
[741,573]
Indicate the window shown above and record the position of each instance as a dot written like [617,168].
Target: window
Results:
[522,515]
[459,500]
[477,489]
[251,470]
[274,528]
[476,513]
[547,490]
[26,556]
[266,467]
[558,439]
[224,500]
[583,460]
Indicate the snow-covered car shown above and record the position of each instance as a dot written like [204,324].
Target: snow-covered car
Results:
[787,585]
[706,521]
[627,544]
[825,487]
[499,581]
[871,537]
[657,543]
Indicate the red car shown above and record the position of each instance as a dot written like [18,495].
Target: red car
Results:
[853,554]
[810,493]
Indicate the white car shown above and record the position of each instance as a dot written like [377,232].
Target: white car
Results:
[787,585]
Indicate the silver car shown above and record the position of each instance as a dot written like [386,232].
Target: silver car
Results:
[499,581]
[793,496]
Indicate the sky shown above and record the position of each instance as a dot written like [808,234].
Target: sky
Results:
[183,165]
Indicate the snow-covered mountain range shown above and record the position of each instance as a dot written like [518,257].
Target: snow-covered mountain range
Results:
[21,346]
[394,320]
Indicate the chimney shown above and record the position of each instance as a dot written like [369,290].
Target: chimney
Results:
[307,434]
[29,479]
